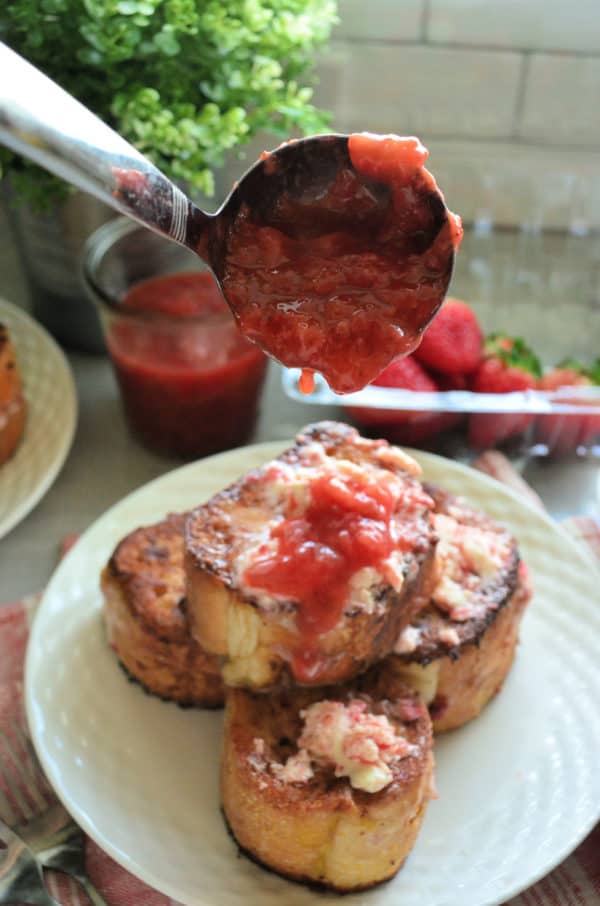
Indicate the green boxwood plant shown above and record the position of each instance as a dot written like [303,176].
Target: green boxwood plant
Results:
[184,81]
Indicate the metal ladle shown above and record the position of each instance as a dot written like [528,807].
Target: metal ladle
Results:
[39,120]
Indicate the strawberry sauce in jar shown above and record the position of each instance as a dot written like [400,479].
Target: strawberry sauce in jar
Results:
[190,382]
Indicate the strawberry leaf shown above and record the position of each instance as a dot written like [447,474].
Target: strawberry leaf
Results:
[591,372]
[594,372]
[513,352]
[573,365]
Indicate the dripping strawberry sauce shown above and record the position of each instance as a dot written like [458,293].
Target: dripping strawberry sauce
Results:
[357,273]
[312,556]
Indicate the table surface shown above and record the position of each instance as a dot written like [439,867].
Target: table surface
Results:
[106,462]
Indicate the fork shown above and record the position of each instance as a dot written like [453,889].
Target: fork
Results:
[37,816]
[21,878]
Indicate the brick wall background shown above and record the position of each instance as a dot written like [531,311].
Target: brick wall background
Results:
[505,94]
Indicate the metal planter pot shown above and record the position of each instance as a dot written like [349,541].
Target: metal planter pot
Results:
[50,248]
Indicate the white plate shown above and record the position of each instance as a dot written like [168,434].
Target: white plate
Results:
[51,417]
[519,787]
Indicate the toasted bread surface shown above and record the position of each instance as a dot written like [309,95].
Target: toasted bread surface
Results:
[486,593]
[10,376]
[13,408]
[458,687]
[13,416]
[259,633]
[322,830]
[144,613]
[458,665]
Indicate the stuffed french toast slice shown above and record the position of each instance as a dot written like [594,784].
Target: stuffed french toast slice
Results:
[328,786]
[144,614]
[306,570]
[13,408]
[458,651]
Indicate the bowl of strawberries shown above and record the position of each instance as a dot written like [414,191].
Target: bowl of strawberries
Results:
[464,391]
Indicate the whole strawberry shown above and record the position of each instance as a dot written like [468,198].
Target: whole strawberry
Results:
[450,381]
[402,425]
[508,365]
[453,341]
[563,433]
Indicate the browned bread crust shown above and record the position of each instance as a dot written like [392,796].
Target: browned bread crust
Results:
[466,684]
[13,408]
[322,830]
[459,687]
[259,641]
[459,665]
[144,614]
[10,377]
[493,592]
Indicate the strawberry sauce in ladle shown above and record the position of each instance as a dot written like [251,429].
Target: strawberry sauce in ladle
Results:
[333,252]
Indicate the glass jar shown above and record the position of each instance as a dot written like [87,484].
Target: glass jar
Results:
[190,382]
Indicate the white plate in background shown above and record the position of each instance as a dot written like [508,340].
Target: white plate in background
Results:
[51,417]
[519,787]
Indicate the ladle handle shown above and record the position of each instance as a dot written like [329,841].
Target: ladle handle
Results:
[39,120]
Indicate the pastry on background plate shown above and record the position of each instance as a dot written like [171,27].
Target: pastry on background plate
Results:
[330,785]
[307,569]
[144,614]
[459,649]
[13,408]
